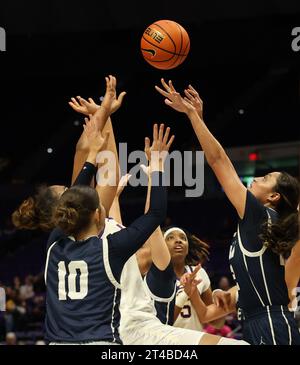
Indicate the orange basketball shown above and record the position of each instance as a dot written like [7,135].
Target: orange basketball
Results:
[165,44]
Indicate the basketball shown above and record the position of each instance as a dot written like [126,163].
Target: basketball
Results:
[165,44]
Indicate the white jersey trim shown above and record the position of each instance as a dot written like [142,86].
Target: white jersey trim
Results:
[289,327]
[264,278]
[113,330]
[47,261]
[271,326]
[244,250]
[107,264]
[245,262]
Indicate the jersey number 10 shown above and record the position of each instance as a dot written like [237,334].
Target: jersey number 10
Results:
[73,267]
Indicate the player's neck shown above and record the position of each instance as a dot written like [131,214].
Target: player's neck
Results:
[84,235]
[178,266]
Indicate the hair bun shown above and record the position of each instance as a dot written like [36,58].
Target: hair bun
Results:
[66,218]
[25,216]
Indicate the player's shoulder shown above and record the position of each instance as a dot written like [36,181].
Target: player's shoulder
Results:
[110,226]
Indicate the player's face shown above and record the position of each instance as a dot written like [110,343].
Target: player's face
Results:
[177,244]
[263,187]
[58,189]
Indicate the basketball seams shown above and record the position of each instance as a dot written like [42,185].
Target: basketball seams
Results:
[171,39]
[162,49]
[181,41]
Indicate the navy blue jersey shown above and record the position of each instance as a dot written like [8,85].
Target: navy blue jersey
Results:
[260,277]
[162,289]
[83,277]
[258,271]
[82,301]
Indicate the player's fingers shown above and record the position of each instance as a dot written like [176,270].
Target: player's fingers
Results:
[165,85]
[193,90]
[121,97]
[170,142]
[166,136]
[168,102]
[83,102]
[189,95]
[171,86]
[75,102]
[147,143]
[161,132]
[155,132]
[162,92]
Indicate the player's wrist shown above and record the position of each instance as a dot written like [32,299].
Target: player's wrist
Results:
[181,299]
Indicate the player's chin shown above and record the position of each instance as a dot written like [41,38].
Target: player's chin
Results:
[179,254]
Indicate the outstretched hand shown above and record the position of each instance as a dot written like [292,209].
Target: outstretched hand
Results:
[189,281]
[110,101]
[173,98]
[86,107]
[222,299]
[193,98]
[158,151]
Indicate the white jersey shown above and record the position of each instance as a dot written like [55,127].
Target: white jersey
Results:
[188,318]
[133,307]
[139,324]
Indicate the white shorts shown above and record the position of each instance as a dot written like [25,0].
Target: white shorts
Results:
[156,333]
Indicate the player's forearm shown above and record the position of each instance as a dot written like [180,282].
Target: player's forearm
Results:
[107,192]
[177,311]
[211,147]
[101,117]
[159,251]
[147,203]
[115,211]
[292,274]
[207,313]
[200,308]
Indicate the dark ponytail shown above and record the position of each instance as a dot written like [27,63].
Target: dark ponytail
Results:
[75,208]
[282,235]
[36,212]
[198,250]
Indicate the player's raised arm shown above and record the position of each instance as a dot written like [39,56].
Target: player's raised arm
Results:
[126,242]
[110,104]
[159,250]
[292,274]
[115,211]
[214,152]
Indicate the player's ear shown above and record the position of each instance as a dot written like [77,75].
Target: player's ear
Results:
[97,215]
[274,198]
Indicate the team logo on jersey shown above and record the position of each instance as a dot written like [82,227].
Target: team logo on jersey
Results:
[262,341]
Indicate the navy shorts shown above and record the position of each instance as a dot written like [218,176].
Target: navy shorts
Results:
[271,325]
